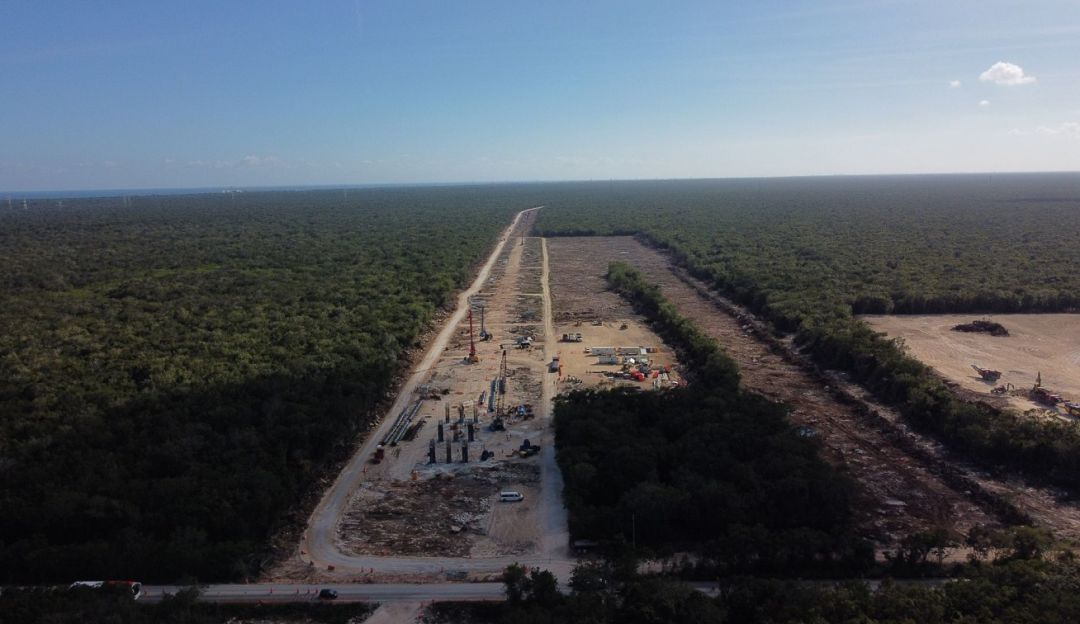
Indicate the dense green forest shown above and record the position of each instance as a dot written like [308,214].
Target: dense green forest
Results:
[175,371]
[809,254]
[708,469]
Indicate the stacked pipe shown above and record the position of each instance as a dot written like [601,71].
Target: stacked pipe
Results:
[401,424]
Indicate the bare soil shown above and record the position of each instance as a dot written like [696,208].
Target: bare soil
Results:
[898,494]
[409,505]
[1037,343]
[583,304]
[440,515]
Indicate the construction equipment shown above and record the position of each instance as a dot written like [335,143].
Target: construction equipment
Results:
[527,449]
[472,357]
[504,372]
[1003,389]
[484,334]
[1072,408]
[1042,395]
[987,374]
[380,453]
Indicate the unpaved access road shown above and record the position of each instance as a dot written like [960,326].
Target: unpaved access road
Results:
[319,555]
[898,494]
[884,468]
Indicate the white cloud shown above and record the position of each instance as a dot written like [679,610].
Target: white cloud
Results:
[250,161]
[954,84]
[1006,74]
[984,103]
[1069,128]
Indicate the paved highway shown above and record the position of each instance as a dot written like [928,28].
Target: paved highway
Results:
[350,592]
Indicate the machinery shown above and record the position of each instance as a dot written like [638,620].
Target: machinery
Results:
[1072,408]
[986,373]
[485,335]
[1042,395]
[504,372]
[1003,389]
[472,358]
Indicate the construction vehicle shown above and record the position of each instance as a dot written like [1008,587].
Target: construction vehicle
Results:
[380,453]
[987,374]
[472,358]
[527,449]
[485,335]
[1003,389]
[1072,408]
[575,337]
[500,397]
[1042,395]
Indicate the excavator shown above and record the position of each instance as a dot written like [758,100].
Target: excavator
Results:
[987,374]
[1042,395]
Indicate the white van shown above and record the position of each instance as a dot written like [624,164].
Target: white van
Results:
[510,496]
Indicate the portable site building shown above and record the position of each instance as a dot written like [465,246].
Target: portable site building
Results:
[601,350]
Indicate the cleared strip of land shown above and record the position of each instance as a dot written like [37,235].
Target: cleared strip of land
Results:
[908,483]
[1046,344]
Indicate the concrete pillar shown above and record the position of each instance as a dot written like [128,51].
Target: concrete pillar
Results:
[464,452]
[440,432]
[472,432]
[449,455]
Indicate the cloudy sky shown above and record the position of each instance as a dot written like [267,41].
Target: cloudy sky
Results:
[150,94]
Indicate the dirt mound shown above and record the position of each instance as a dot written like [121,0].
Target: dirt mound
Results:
[983,327]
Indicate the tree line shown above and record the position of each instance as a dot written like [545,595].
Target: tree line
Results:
[176,373]
[709,469]
[810,254]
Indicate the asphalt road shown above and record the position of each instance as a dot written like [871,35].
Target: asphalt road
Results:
[347,592]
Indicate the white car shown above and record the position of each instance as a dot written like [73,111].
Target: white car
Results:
[510,496]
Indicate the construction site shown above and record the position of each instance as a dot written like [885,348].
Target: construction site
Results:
[463,468]
[460,479]
[906,483]
[475,427]
[1031,364]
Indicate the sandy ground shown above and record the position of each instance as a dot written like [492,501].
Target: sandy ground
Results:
[409,505]
[898,495]
[1037,343]
[583,304]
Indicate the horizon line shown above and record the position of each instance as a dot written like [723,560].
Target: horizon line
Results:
[86,193]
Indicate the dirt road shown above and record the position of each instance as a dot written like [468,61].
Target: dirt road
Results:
[899,496]
[319,551]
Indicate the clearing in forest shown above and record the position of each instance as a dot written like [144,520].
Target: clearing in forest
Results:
[1037,344]
[899,495]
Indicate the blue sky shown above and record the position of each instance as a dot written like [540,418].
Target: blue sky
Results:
[154,94]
